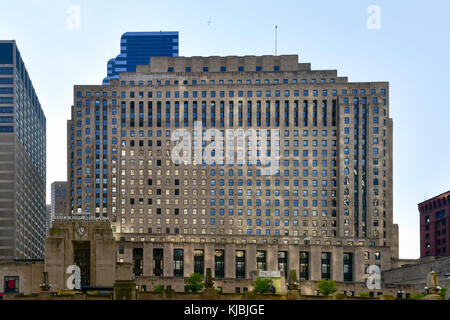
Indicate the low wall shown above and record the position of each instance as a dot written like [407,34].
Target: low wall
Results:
[309,288]
[47,296]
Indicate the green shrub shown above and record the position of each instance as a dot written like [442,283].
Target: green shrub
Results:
[417,296]
[170,293]
[364,294]
[327,287]
[443,293]
[261,286]
[195,282]
[158,289]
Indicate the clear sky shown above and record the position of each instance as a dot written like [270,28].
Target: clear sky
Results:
[409,48]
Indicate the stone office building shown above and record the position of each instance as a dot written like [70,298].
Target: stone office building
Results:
[325,211]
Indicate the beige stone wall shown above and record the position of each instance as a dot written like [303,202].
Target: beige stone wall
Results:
[362,257]
[309,288]
[31,275]
[416,273]
[59,253]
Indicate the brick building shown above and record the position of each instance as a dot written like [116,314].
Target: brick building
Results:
[435,226]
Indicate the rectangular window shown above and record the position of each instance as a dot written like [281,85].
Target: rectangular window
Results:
[305,113]
[326,265]
[178,263]
[240,264]
[6,100]
[261,260]
[348,267]
[6,90]
[11,285]
[7,70]
[199,261]
[6,109]
[6,80]
[304,265]
[219,264]
[6,119]
[138,261]
[283,262]
[158,260]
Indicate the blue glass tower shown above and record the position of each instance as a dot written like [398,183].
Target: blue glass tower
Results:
[136,48]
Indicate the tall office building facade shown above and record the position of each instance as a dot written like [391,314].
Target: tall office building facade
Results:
[59,199]
[22,160]
[136,48]
[301,177]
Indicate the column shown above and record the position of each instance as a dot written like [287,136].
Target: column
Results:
[250,261]
[315,263]
[293,261]
[148,259]
[272,257]
[230,261]
[188,256]
[168,260]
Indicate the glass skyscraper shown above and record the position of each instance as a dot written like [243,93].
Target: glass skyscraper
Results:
[136,48]
[22,160]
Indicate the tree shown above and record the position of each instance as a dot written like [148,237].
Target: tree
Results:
[261,286]
[327,287]
[195,282]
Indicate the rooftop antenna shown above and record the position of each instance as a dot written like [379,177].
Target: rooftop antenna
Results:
[276,40]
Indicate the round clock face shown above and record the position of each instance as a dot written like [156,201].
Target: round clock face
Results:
[81,231]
